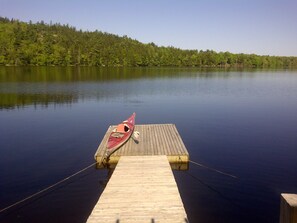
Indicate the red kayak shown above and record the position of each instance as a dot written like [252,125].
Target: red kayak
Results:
[120,135]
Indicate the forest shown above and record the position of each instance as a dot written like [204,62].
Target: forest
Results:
[41,44]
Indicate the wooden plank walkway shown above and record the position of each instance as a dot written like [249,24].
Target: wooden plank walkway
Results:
[141,189]
[155,139]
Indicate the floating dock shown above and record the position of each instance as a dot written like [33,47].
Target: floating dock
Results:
[155,139]
[141,189]
[288,208]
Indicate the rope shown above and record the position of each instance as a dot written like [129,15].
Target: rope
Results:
[218,171]
[45,189]
[213,189]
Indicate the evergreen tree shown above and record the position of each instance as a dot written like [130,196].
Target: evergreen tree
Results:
[44,44]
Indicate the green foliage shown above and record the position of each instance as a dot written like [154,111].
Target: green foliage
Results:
[43,44]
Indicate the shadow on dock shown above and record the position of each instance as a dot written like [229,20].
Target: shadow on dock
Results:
[153,220]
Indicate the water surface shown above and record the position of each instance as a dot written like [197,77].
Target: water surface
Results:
[241,122]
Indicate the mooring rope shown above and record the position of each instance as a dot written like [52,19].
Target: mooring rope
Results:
[213,169]
[213,189]
[45,189]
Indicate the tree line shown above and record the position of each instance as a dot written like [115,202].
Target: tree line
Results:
[42,44]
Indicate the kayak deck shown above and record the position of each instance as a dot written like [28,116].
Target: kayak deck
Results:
[155,139]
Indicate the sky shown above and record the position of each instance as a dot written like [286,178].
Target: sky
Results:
[263,27]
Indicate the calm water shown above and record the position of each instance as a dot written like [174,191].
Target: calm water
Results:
[241,122]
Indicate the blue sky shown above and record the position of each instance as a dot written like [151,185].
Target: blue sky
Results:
[265,27]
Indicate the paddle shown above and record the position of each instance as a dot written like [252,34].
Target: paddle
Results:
[135,136]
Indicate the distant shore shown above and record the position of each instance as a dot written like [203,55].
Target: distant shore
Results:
[40,44]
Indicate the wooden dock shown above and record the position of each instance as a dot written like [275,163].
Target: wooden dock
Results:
[155,139]
[141,189]
[288,208]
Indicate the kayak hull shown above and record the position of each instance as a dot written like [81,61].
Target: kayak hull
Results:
[120,135]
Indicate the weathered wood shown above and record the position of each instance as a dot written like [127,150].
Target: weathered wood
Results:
[288,208]
[155,139]
[141,189]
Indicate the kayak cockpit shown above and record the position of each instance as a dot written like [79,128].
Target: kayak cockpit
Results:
[122,128]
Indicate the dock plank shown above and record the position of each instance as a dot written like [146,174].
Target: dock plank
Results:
[155,139]
[141,189]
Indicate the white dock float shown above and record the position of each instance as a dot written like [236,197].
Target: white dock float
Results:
[141,189]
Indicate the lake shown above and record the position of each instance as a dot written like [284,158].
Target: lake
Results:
[243,122]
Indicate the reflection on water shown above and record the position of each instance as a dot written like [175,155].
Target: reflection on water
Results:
[95,74]
[52,120]
[22,86]
[14,100]
[46,85]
